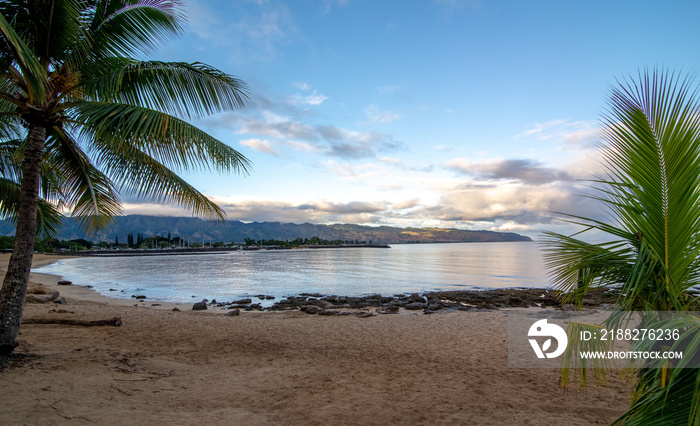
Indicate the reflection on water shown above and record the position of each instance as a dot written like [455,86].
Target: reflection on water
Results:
[349,272]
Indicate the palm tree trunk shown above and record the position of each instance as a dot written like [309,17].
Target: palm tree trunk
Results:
[14,288]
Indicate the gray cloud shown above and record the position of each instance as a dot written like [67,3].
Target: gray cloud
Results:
[525,170]
[352,207]
[328,139]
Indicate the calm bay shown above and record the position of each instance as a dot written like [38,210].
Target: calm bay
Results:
[342,271]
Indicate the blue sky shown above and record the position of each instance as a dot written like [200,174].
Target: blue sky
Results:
[463,114]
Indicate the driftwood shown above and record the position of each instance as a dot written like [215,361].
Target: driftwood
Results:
[116,321]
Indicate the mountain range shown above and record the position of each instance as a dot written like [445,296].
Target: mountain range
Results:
[198,230]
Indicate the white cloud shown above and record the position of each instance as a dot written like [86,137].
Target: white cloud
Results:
[327,139]
[375,114]
[393,161]
[300,146]
[406,204]
[572,134]
[260,145]
[314,98]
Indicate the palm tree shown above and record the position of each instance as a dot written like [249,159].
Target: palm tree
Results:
[95,122]
[651,188]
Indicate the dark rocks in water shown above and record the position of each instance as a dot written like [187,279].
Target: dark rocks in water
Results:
[311,309]
[490,299]
[473,300]
[333,299]
[234,313]
[199,306]
[320,303]
[415,306]
[311,294]
[254,307]
[140,296]
[416,298]
[64,282]
[265,297]
[237,306]
[242,302]
[434,306]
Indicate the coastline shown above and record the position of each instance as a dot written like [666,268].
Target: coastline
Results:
[77,293]
[286,368]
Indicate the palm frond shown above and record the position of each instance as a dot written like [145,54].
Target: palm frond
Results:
[168,140]
[176,88]
[128,27]
[85,189]
[137,173]
[34,75]
[49,219]
[651,188]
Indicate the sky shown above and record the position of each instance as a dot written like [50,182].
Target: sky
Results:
[468,114]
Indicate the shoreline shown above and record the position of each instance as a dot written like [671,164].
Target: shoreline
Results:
[280,368]
[429,302]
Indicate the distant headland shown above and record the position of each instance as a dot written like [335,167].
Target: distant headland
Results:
[197,230]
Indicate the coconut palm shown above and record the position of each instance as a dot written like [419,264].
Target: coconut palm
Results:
[651,188]
[95,122]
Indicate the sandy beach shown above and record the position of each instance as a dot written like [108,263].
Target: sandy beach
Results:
[278,368]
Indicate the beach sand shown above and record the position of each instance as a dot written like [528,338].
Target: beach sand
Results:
[286,368]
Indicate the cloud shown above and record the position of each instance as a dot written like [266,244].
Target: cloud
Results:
[318,211]
[377,115]
[260,145]
[524,170]
[314,98]
[572,134]
[406,204]
[327,139]
[302,85]
[527,206]
[299,146]
[348,170]
[393,161]
[352,207]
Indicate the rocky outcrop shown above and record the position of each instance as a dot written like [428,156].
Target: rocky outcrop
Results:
[199,306]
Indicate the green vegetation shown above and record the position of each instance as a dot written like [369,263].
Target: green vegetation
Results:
[298,242]
[651,188]
[70,84]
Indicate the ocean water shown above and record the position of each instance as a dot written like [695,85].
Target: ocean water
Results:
[280,273]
